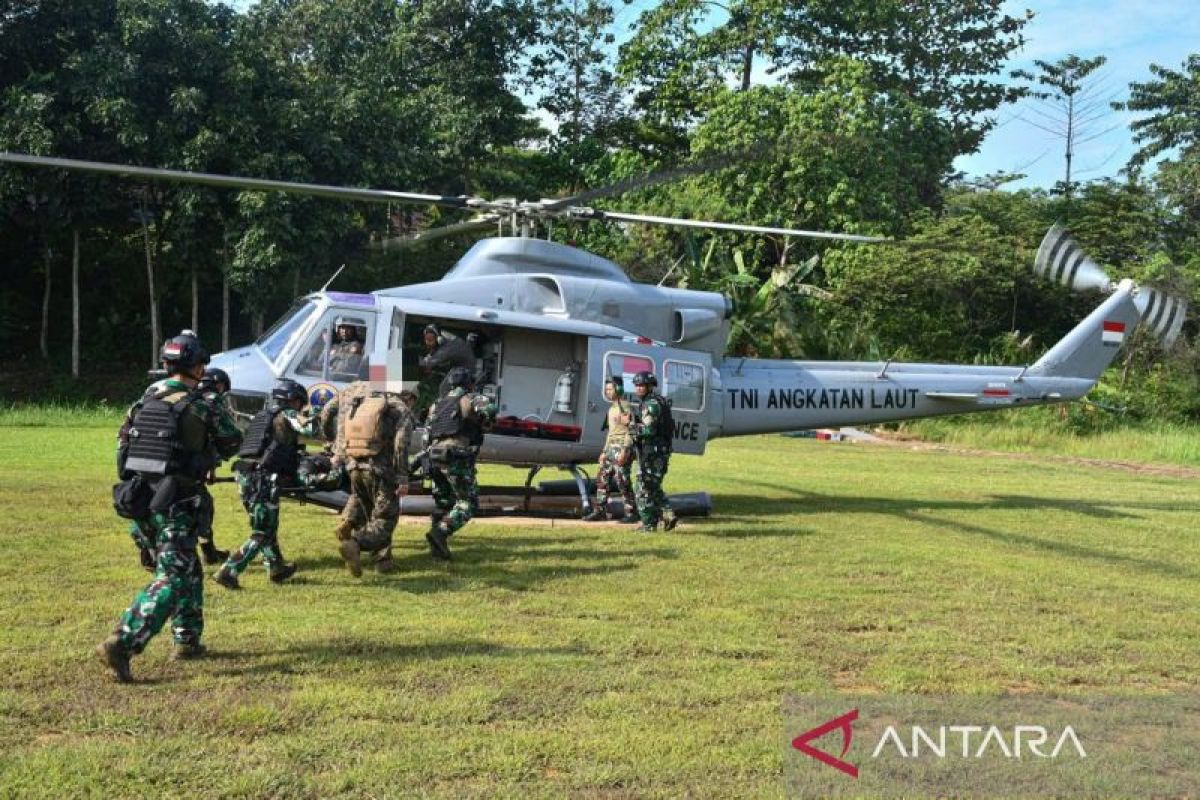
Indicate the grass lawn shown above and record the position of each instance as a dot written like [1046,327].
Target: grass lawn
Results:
[584,661]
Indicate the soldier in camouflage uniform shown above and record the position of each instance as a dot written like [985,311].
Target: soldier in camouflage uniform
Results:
[616,462]
[377,479]
[456,425]
[652,442]
[271,457]
[214,386]
[188,427]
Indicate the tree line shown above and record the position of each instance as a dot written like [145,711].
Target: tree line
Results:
[839,115]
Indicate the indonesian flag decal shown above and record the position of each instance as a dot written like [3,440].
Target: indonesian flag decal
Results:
[1114,333]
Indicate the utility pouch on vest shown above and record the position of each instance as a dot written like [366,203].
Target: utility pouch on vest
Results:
[366,428]
[131,498]
[164,495]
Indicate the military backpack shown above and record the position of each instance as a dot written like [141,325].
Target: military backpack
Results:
[366,427]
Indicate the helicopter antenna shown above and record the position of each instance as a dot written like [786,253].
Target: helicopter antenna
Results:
[339,272]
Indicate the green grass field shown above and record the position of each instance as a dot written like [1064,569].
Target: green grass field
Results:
[582,661]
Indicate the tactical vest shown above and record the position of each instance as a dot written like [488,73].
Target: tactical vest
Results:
[366,427]
[155,449]
[447,418]
[664,432]
[260,444]
[260,433]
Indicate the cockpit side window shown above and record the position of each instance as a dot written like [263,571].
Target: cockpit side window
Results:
[337,349]
[273,341]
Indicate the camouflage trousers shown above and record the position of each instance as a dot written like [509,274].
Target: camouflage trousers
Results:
[455,492]
[260,497]
[615,475]
[177,589]
[205,515]
[371,511]
[651,500]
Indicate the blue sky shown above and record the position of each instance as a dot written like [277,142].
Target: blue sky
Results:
[1133,34]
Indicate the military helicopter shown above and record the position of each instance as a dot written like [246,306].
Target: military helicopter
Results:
[556,321]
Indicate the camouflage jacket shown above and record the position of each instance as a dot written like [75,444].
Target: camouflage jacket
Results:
[649,419]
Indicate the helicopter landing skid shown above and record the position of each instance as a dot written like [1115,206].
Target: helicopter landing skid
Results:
[582,482]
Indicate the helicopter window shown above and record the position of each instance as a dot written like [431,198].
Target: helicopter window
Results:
[625,366]
[337,350]
[683,383]
[273,341]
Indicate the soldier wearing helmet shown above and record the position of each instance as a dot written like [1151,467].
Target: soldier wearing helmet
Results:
[653,430]
[456,426]
[616,460]
[443,352]
[269,460]
[163,456]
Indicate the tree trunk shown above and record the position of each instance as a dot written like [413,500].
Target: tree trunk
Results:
[747,66]
[296,283]
[155,333]
[258,324]
[225,311]
[75,304]
[195,300]
[44,342]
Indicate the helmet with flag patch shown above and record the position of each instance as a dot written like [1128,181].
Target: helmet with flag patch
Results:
[183,352]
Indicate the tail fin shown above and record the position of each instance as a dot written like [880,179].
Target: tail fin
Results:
[1090,347]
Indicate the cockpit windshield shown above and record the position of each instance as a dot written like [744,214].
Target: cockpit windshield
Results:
[273,341]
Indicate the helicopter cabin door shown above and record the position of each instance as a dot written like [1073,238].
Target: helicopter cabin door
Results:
[683,377]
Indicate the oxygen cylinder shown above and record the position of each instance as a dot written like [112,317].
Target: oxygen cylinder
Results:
[563,390]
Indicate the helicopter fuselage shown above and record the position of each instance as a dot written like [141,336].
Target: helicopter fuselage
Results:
[548,324]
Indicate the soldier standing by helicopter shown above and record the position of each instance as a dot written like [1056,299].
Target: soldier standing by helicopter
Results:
[168,443]
[653,430]
[371,443]
[270,459]
[456,426]
[616,462]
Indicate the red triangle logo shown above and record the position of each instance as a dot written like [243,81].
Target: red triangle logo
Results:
[844,723]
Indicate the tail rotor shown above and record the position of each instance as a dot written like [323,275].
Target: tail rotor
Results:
[1062,260]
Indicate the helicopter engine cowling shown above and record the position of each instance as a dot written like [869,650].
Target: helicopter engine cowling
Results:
[692,324]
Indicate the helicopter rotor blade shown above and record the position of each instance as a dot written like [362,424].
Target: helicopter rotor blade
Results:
[620,216]
[1162,313]
[234,182]
[1062,260]
[646,181]
[432,234]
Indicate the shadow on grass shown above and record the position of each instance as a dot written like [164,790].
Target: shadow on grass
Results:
[308,656]
[917,510]
[510,562]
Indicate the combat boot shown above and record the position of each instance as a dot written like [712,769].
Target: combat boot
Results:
[439,545]
[598,515]
[282,572]
[211,554]
[670,522]
[115,657]
[384,563]
[352,555]
[186,651]
[226,578]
